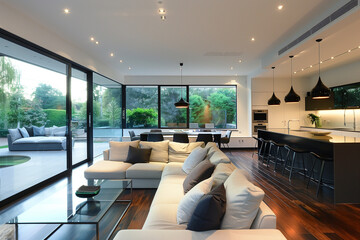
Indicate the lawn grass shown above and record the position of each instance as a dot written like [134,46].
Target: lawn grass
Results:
[6,146]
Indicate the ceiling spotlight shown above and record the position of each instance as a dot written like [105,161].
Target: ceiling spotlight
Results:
[66,11]
[129,68]
[253,39]
[358,46]
[320,61]
[231,68]
[349,50]
[280,7]
[161,11]
[294,72]
[311,66]
[240,61]
[97,42]
[92,39]
[163,17]
[332,58]
[121,61]
[111,54]
[302,69]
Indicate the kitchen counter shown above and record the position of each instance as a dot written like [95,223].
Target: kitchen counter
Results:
[333,137]
[344,171]
[342,129]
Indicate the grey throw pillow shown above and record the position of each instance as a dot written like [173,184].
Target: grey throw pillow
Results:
[14,134]
[39,131]
[201,172]
[30,131]
[24,132]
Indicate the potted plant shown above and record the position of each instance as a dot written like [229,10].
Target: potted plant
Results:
[314,119]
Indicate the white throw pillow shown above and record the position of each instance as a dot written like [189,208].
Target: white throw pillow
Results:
[242,201]
[191,199]
[178,152]
[119,150]
[195,157]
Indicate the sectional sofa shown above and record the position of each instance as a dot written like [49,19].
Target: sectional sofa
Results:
[165,172]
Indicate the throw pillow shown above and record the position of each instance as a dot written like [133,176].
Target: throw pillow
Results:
[138,155]
[14,134]
[242,201]
[30,131]
[119,150]
[190,200]
[39,131]
[159,152]
[195,157]
[59,131]
[24,133]
[209,211]
[219,157]
[178,152]
[202,171]
[221,173]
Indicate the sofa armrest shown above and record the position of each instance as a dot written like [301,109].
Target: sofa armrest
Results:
[10,145]
[106,154]
[265,218]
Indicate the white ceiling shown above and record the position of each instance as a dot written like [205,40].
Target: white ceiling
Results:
[209,36]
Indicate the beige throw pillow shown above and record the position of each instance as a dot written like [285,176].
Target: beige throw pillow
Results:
[242,201]
[178,152]
[119,150]
[159,152]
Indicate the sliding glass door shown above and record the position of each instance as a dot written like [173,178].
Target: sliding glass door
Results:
[79,102]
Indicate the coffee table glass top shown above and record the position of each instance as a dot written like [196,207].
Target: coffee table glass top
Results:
[63,206]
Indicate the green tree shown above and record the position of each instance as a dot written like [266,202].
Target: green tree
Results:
[113,113]
[224,100]
[34,115]
[197,106]
[49,97]
[141,117]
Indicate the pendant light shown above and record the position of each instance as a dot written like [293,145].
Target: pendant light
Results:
[274,101]
[292,96]
[320,91]
[181,103]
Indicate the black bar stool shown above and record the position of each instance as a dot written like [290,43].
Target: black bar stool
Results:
[264,149]
[257,144]
[322,159]
[295,151]
[275,156]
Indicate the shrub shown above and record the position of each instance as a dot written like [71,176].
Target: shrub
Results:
[55,117]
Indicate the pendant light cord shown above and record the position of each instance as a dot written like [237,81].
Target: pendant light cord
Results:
[319,59]
[291,71]
[181,80]
[273,80]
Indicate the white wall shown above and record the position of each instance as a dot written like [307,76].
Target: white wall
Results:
[262,90]
[243,92]
[17,23]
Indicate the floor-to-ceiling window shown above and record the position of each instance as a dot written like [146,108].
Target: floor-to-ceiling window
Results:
[212,106]
[172,117]
[79,101]
[32,118]
[141,106]
[107,96]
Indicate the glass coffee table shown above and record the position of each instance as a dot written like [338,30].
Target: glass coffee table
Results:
[63,215]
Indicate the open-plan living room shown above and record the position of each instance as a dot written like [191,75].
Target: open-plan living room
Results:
[179,120]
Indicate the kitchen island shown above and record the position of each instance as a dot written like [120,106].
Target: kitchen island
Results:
[345,151]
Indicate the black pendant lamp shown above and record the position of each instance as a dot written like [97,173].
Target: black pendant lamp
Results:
[181,103]
[320,91]
[292,96]
[274,101]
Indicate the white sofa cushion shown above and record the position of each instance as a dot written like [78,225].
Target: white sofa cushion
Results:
[173,168]
[145,170]
[194,158]
[159,152]
[107,170]
[119,150]
[242,201]
[170,190]
[163,217]
[218,157]
[178,152]
[190,200]
[244,234]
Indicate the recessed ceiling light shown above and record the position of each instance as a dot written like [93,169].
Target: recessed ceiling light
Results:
[280,7]
[253,39]
[302,69]
[231,68]
[161,11]
[111,54]
[240,61]
[129,68]
[358,46]
[121,60]
[320,61]
[92,39]
[97,42]
[349,50]
[163,17]
[311,66]
[294,72]
[66,11]
[332,57]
